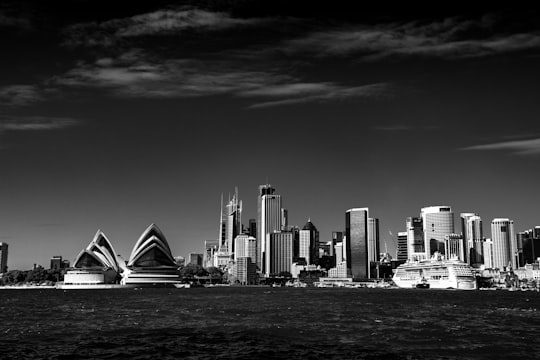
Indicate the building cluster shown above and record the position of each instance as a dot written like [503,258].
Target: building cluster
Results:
[270,246]
[433,231]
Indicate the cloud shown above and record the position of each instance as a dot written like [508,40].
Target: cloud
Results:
[20,95]
[520,147]
[14,22]
[330,92]
[393,128]
[161,22]
[450,38]
[35,123]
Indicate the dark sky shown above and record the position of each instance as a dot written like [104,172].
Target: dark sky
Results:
[116,116]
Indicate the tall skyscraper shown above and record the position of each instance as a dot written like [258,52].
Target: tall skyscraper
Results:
[453,246]
[245,246]
[233,212]
[337,237]
[373,240]
[210,249]
[415,239]
[488,253]
[402,248]
[437,221]
[356,248]
[279,252]
[504,243]
[3,257]
[309,243]
[528,243]
[268,221]
[473,238]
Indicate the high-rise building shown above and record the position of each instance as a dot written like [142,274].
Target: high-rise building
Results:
[245,271]
[245,246]
[356,248]
[504,243]
[437,222]
[473,238]
[373,240]
[210,249]
[528,244]
[453,246]
[268,221]
[279,252]
[337,237]
[284,219]
[488,253]
[252,231]
[3,257]
[309,243]
[415,239]
[231,224]
[402,240]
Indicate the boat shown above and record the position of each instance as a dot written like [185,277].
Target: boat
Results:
[435,273]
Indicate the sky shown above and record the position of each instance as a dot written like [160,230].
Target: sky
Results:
[117,115]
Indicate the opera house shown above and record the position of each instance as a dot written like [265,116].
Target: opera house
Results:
[95,265]
[151,261]
[98,266]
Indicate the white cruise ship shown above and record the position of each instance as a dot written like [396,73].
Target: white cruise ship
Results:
[435,273]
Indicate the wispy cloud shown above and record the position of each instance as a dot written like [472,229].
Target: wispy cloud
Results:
[35,123]
[20,95]
[161,22]
[452,37]
[393,128]
[138,75]
[520,147]
[330,93]
[15,22]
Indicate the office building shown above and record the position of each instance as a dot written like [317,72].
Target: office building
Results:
[402,246]
[268,221]
[504,243]
[210,249]
[528,243]
[245,271]
[488,254]
[437,222]
[195,259]
[338,248]
[356,248]
[309,243]
[245,246]
[453,247]
[57,263]
[473,238]
[416,249]
[337,237]
[3,257]
[373,240]
[252,230]
[279,252]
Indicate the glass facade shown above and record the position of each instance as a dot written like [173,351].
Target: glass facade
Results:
[356,225]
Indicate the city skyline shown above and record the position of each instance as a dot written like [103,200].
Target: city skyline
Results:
[115,117]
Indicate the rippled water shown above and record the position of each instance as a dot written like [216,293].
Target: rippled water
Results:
[268,323]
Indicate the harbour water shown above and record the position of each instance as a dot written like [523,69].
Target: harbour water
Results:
[269,323]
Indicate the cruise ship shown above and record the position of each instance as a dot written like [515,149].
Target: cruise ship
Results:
[435,273]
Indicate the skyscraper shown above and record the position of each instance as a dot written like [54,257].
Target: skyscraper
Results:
[402,248]
[268,220]
[3,257]
[471,229]
[337,237]
[437,221]
[453,246]
[233,212]
[279,252]
[356,248]
[245,246]
[504,243]
[309,243]
[373,240]
[415,239]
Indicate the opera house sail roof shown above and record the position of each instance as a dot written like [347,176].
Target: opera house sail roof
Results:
[151,261]
[151,250]
[98,254]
